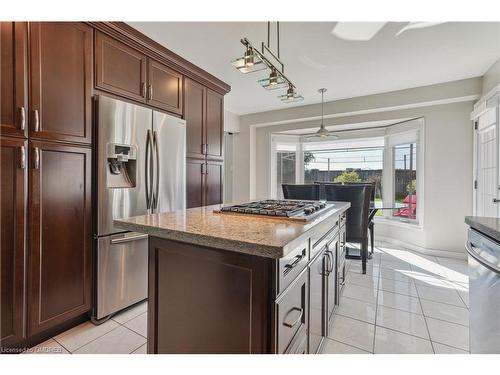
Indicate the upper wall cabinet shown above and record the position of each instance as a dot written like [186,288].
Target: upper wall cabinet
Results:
[61,81]
[13,80]
[164,87]
[119,68]
[124,71]
[203,112]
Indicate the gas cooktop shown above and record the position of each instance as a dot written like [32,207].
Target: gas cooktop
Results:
[292,209]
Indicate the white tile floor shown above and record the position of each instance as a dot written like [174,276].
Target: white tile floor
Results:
[406,303]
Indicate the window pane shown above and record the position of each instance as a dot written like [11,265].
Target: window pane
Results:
[348,165]
[405,180]
[285,162]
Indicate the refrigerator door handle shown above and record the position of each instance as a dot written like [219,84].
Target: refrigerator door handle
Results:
[157,172]
[148,168]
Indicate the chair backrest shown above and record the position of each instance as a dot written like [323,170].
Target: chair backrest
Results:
[307,192]
[322,187]
[359,195]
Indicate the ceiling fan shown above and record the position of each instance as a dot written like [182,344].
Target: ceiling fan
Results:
[322,133]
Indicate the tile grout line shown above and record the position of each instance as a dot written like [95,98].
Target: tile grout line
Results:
[352,346]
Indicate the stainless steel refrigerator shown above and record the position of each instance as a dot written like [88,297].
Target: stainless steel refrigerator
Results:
[141,169]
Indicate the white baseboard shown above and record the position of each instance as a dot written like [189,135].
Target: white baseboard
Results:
[423,250]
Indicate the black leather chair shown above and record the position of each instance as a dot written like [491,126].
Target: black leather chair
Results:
[359,195]
[371,223]
[305,192]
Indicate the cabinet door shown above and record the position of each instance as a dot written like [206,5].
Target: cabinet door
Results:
[194,114]
[60,226]
[317,295]
[194,182]
[214,124]
[213,180]
[61,81]
[119,68]
[13,82]
[12,250]
[164,87]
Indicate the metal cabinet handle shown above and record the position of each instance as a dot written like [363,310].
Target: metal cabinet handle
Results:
[206,148]
[36,158]
[143,89]
[470,249]
[22,112]
[129,238]
[297,260]
[149,142]
[150,92]
[331,261]
[156,149]
[36,121]
[495,200]
[23,157]
[299,317]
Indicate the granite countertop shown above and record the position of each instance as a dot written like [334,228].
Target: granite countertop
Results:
[489,226]
[256,235]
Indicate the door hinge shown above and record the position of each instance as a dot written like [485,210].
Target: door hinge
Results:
[475,125]
[475,184]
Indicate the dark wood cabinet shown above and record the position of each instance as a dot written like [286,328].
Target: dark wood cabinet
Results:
[195,192]
[203,182]
[13,202]
[214,134]
[194,114]
[204,115]
[61,81]
[213,183]
[164,87]
[119,68]
[13,79]
[60,234]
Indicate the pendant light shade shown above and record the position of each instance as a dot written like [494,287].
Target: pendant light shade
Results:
[322,132]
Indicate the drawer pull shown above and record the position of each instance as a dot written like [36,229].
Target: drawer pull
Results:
[290,266]
[299,317]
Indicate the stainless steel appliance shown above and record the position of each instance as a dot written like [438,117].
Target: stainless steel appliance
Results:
[285,208]
[141,169]
[484,293]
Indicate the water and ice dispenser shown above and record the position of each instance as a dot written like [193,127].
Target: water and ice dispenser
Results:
[122,165]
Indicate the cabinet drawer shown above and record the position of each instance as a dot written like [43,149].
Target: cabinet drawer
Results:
[290,266]
[292,313]
[299,344]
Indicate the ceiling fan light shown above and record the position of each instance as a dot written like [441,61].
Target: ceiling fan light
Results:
[273,77]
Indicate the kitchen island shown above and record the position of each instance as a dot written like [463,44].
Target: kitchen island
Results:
[231,283]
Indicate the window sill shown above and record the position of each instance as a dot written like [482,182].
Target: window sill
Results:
[399,223]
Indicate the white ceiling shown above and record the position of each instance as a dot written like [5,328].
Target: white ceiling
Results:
[349,61]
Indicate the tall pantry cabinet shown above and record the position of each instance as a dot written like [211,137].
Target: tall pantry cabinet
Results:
[45,208]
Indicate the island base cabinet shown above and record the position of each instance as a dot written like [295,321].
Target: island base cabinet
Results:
[206,301]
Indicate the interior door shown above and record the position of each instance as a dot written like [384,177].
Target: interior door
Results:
[60,234]
[487,161]
[13,194]
[61,81]
[13,82]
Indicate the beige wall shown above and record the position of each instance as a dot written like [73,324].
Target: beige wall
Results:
[491,78]
[448,152]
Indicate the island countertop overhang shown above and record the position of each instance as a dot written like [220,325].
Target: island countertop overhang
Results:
[254,235]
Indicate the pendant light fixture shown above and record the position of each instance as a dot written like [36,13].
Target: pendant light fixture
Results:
[322,133]
[254,60]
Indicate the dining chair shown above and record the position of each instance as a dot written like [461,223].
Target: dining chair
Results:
[359,196]
[305,192]
[371,222]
